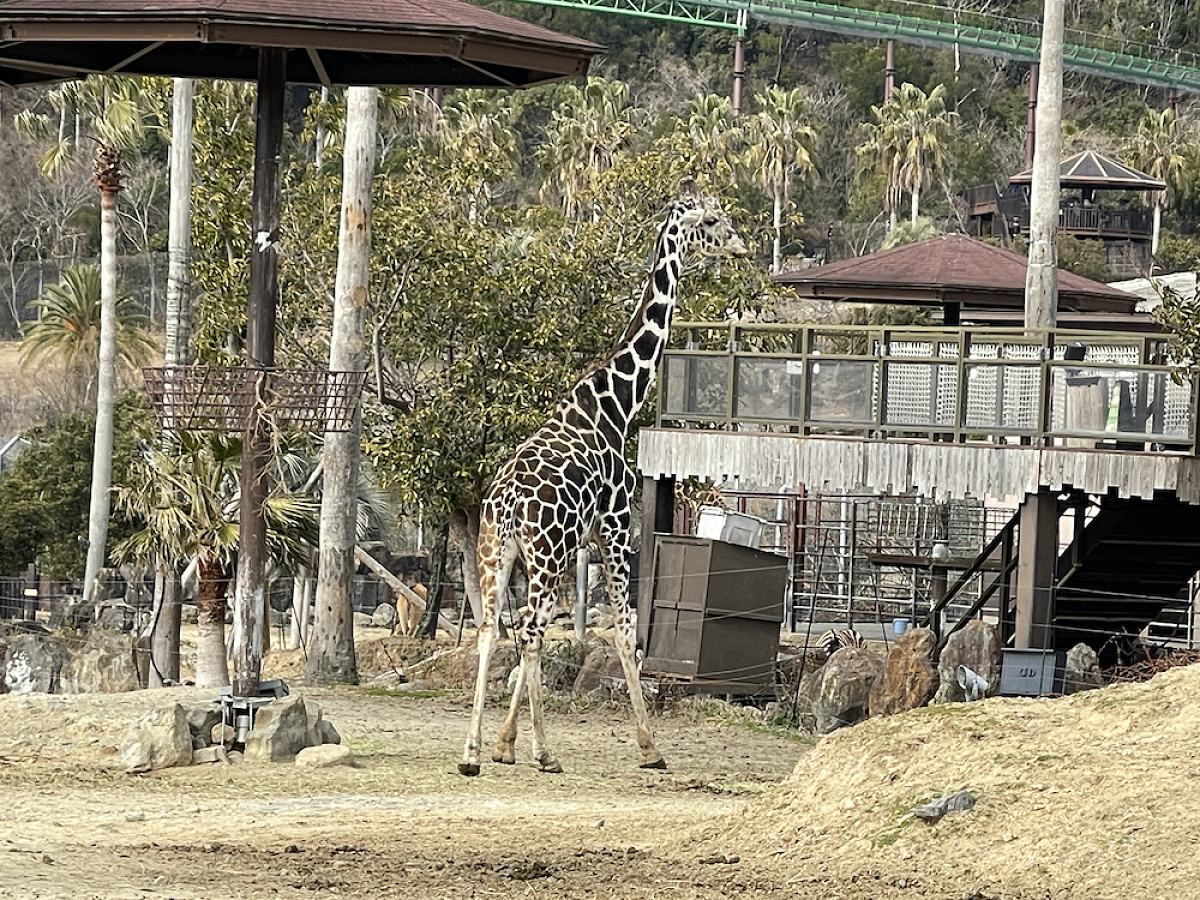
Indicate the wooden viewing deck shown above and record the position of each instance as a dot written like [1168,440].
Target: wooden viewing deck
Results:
[946,412]
[1039,420]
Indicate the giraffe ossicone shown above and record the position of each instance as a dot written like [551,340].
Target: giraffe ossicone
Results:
[569,483]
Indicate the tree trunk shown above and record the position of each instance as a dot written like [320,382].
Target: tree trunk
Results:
[108,180]
[212,669]
[179,225]
[164,637]
[429,623]
[777,227]
[331,655]
[464,531]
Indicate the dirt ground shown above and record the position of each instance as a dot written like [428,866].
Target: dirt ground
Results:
[1093,796]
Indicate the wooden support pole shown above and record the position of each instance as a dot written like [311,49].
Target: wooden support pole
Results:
[250,597]
[1037,551]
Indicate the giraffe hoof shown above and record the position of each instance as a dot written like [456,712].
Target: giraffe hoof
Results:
[551,765]
[506,759]
[659,763]
[468,768]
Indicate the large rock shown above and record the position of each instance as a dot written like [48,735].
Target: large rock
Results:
[1081,671]
[284,727]
[34,664]
[599,670]
[910,678]
[975,646]
[841,691]
[158,740]
[106,664]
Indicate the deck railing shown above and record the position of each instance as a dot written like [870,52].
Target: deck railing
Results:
[1046,388]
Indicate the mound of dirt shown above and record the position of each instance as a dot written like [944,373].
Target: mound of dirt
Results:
[1090,796]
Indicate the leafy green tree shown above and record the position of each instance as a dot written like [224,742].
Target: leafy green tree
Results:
[67,326]
[44,496]
[585,132]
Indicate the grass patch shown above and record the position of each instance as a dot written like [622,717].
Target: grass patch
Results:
[399,694]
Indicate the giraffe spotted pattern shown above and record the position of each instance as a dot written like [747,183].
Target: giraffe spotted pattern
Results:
[569,484]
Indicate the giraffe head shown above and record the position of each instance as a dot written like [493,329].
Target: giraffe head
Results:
[704,226]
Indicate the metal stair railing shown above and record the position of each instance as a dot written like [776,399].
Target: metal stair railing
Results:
[1004,542]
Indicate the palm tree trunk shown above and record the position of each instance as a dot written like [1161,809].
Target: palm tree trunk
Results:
[212,668]
[777,227]
[331,656]
[1157,226]
[108,180]
[179,223]
[164,637]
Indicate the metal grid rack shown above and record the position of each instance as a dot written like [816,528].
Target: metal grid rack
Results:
[221,398]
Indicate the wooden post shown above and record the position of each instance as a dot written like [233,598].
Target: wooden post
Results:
[250,597]
[658,515]
[1041,280]
[1038,555]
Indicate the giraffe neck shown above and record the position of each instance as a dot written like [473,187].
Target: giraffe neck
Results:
[618,387]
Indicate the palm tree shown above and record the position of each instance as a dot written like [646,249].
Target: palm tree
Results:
[714,133]
[584,134]
[68,327]
[1157,147]
[476,132]
[782,150]
[187,498]
[909,139]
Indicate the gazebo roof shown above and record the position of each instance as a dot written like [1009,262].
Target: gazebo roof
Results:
[367,42]
[1090,169]
[948,270]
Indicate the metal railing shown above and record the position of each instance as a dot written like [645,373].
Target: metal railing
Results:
[1040,387]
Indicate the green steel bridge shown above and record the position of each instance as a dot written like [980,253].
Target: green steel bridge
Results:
[929,25]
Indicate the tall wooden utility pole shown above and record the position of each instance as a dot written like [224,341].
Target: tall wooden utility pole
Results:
[1041,280]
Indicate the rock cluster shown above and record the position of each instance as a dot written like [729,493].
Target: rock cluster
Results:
[285,730]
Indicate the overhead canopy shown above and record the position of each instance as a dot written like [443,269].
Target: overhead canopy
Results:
[366,42]
[1091,170]
[952,271]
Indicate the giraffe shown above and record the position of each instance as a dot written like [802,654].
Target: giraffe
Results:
[569,483]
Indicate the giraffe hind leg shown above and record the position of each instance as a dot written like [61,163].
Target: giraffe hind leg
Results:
[493,583]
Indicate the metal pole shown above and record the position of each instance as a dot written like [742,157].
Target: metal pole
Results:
[582,558]
[889,72]
[739,62]
[250,596]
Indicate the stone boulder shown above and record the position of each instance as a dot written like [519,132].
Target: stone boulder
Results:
[384,616]
[840,692]
[325,756]
[975,646]
[34,664]
[910,678]
[600,669]
[1081,671]
[106,664]
[284,727]
[158,740]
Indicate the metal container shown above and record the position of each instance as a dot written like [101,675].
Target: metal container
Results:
[715,613]
[1031,673]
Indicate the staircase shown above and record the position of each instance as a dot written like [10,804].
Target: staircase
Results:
[1134,558]
[1130,565]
